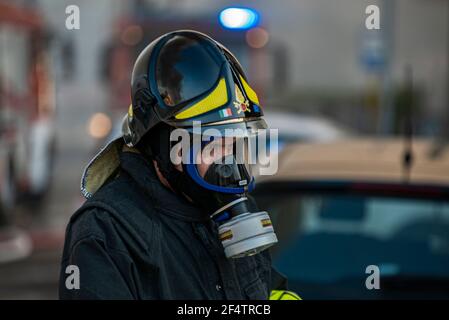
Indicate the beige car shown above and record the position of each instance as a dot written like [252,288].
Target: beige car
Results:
[345,208]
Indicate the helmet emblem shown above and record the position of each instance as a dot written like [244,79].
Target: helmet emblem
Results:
[241,104]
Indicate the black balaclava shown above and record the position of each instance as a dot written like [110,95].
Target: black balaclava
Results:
[156,146]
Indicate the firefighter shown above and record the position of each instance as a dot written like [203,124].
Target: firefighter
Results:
[167,222]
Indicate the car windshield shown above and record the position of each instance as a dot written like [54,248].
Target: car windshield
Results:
[326,241]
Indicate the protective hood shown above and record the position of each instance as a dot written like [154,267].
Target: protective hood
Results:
[102,167]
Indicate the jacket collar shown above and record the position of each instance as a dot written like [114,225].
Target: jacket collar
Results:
[165,200]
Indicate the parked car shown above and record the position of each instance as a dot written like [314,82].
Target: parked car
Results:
[294,127]
[341,207]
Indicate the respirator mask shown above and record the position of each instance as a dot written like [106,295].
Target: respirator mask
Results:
[217,176]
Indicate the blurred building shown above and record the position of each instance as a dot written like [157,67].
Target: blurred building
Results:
[317,47]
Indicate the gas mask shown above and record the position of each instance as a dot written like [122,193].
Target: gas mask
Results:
[217,177]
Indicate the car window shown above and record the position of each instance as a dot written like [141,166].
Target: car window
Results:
[330,239]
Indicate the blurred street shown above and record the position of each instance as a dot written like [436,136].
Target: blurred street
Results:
[36,277]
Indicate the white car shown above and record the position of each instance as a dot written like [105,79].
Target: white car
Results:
[303,128]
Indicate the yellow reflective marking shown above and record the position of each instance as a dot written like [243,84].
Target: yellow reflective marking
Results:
[217,98]
[226,235]
[250,92]
[284,295]
[266,222]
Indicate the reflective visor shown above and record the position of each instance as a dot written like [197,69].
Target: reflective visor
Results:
[229,128]
[196,79]
[185,70]
[221,156]
[222,165]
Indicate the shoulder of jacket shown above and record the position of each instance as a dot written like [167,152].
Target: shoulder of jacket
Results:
[115,207]
[121,195]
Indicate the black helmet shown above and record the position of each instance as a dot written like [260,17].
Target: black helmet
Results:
[179,78]
[186,76]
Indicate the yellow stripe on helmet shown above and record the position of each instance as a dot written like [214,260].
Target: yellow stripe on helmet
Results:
[217,98]
[250,92]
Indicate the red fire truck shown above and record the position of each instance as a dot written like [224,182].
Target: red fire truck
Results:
[27,106]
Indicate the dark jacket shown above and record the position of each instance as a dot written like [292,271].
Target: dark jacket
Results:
[135,239]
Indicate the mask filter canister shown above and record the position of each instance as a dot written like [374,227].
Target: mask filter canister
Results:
[245,233]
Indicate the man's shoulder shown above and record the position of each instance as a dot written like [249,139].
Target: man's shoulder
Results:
[89,222]
[119,189]
[115,212]
[121,197]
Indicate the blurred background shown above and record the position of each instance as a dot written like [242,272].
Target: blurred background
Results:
[373,103]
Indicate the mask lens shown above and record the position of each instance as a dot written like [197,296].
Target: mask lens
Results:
[223,162]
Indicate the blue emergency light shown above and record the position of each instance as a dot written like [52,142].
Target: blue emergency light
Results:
[238,18]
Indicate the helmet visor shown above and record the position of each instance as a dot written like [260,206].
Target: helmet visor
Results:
[186,68]
[222,159]
[232,128]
